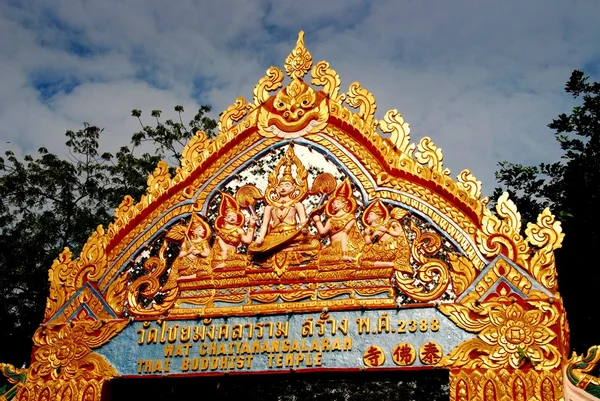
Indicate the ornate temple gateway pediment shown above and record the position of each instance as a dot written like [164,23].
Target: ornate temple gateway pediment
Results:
[308,234]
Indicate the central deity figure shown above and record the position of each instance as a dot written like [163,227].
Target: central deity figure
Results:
[283,239]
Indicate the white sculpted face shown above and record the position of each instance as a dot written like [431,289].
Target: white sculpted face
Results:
[337,205]
[231,217]
[372,217]
[199,232]
[285,188]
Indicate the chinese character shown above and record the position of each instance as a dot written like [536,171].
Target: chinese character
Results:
[404,354]
[430,353]
[373,356]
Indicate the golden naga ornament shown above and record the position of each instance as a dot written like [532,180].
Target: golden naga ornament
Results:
[308,221]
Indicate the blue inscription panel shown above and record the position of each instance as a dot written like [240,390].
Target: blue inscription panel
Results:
[404,338]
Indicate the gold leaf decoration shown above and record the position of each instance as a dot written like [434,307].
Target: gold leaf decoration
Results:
[509,335]
[158,182]
[327,78]
[399,131]
[66,276]
[547,235]
[359,98]
[463,272]
[469,183]
[430,155]
[233,113]
[115,295]
[148,286]
[299,61]
[502,235]
[65,351]
[193,154]
[271,81]
[432,272]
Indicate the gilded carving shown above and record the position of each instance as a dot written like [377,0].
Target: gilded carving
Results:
[307,241]
[270,82]
[546,235]
[360,98]
[501,235]
[326,77]
[514,335]
[299,61]
[232,114]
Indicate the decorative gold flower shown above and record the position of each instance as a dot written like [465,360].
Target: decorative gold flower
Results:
[59,355]
[516,335]
[509,335]
[65,351]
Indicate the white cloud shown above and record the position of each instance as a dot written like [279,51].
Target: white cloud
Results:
[482,80]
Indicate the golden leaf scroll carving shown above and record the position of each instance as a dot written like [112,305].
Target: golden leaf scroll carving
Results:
[64,365]
[270,82]
[431,271]
[399,131]
[431,156]
[66,276]
[158,182]
[148,286]
[546,235]
[469,183]
[299,61]
[326,77]
[508,335]
[363,100]
[501,235]
[232,114]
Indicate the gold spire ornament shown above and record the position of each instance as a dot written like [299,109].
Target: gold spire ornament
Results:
[299,61]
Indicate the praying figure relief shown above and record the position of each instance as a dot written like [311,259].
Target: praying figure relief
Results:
[193,258]
[341,226]
[386,242]
[230,234]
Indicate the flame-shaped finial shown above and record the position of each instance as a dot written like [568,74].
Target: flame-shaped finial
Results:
[299,61]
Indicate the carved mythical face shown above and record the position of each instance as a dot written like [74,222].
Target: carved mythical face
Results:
[372,217]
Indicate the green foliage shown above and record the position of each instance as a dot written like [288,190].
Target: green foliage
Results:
[48,203]
[571,189]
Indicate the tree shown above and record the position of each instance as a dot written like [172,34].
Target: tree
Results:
[571,189]
[48,202]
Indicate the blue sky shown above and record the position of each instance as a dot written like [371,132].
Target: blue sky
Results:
[481,78]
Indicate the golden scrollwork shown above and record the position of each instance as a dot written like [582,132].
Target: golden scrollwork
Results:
[233,113]
[462,274]
[66,276]
[326,77]
[399,131]
[65,351]
[148,286]
[64,365]
[363,100]
[508,335]
[430,155]
[546,235]
[158,182]
[299,61]
[469,183]
[270,82]
[501,235]
[432,271]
